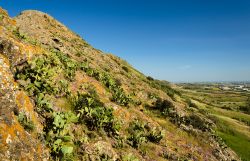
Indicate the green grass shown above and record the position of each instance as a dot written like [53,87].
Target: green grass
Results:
[238,143]
[1,17]
[232,124]
[242,117]
[234,138]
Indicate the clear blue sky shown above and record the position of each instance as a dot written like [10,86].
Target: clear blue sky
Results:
[175,40]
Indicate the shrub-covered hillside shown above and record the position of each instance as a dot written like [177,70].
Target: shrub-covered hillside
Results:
[62,99]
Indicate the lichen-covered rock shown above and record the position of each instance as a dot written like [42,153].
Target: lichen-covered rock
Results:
[15,142]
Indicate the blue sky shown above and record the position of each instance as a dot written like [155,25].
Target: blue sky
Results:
[175,40]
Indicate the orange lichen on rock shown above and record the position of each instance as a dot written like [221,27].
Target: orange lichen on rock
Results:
[123,113]
[26,51]
[15,142]
[6,20]
[31,50]
[4,12]
[24,104]
[10,132]
[18,144]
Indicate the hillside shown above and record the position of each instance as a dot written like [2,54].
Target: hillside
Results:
[229,109]
[62,99]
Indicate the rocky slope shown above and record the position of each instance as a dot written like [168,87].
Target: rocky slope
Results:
[62,99]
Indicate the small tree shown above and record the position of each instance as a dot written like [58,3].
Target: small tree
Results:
[164,106]
[248,105]
[246,108]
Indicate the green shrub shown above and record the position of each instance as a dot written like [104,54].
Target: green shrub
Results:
[1,17]
[164,86]
[43,103]
[120,97]
[93,113]
[23,36]
[25,122]
[19,35]
[150,78]
[118,94]
[140,133]
[165,106]
[63,87]
[152,96]
[125,68]
[136,139]
[129,157]
[119,141]
[190,103]
[155,135]
[167,109]
[37,75]
[246,108]
[57,134]
[197,122]
[70,66]
[137,134]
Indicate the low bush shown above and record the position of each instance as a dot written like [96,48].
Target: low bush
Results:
[70,65]
[140,133]
[129,157]
[43,103]
[190,103]
[119,141]
[137,134]
[197,122]
[94,114]
[246,108]
[24,37]
[155,135]
[118,94]
[150,78]
[25,122]
[165,106]
[37,76]
[164,86]
[57,134]
[152,96]
[167,109]
[1,17]
[19,35]
[125,68]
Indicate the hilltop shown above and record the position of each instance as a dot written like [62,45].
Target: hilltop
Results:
[62,99]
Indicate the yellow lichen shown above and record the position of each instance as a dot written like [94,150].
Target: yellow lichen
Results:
[11,131]
[12,134]
[24,104]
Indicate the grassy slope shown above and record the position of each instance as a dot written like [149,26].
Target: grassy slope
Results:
[232,125]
